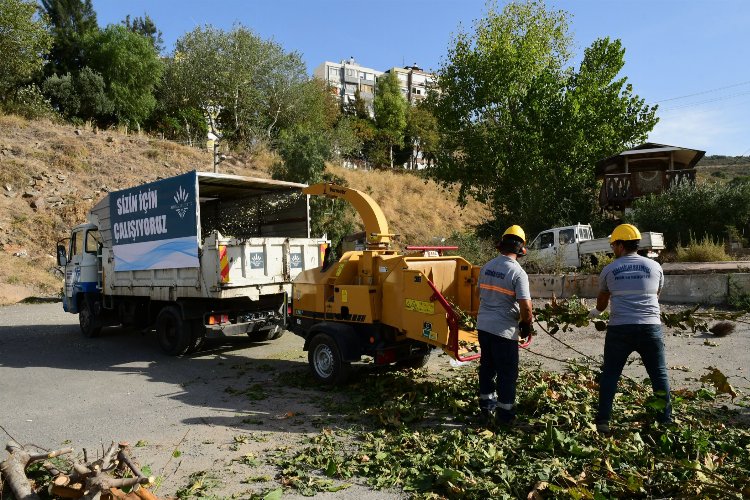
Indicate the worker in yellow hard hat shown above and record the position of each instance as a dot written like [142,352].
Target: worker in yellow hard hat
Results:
[505,314]
[633,284]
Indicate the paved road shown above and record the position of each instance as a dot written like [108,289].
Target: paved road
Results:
[57,386]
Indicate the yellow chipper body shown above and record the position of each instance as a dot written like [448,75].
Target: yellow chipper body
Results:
[377,302]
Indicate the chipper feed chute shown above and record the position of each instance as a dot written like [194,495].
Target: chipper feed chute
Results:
[430,299]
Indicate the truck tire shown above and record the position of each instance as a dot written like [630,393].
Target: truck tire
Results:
[174,333]
[91,325]
[325,360]
[415,362]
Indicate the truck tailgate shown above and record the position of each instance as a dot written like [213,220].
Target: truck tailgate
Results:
[230,262]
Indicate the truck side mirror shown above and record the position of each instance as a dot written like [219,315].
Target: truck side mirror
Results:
[62,258]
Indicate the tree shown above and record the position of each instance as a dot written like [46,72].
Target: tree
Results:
[390,111]
[72,21]
[24,41]
[131,69]
[522,130]
[304,152]
[422,135]
[80,97]
[259,88]
[145,26]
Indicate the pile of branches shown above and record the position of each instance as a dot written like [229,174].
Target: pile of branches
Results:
[104,478]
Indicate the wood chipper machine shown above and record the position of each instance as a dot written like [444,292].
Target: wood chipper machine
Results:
[377,302]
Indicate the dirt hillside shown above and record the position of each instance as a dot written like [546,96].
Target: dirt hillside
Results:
[50,175]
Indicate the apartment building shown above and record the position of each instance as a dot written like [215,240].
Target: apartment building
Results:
[346,78]
[415,82]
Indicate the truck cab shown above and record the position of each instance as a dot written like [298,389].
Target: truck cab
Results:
[80,260]
[562,243]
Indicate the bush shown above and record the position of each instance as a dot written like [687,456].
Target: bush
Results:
[694,209]
[478,251]
[705,250]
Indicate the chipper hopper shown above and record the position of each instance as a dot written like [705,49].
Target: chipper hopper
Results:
[380,303]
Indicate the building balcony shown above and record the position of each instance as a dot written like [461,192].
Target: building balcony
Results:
[620,190]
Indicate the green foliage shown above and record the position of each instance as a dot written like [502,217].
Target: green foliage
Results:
[72,22]
[29,102]
[145,26]
[390,112]
[304,152]
[131,69]
[520,129]
[24,41]
[80,97]
[705,250]
[704,209]
[415,439]
[478,251]
[738,298]
[421,136]
[257,87]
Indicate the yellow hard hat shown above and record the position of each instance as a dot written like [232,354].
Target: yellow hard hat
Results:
[625,232]
[516,230]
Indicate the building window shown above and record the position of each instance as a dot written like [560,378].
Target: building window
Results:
[366,88]
[351,88]
[351,72]
[334,74]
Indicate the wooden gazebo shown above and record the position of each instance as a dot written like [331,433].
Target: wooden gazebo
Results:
[646,169]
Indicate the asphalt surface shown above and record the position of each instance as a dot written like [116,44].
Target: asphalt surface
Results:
[57,387]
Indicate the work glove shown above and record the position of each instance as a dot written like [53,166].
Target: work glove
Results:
[526,329]
[594,313]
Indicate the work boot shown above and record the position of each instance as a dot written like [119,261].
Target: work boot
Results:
[603,428]
[485,418]
[504,418]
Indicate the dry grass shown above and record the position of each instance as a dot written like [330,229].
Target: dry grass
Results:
[705,250]
[418,210]
[90,162]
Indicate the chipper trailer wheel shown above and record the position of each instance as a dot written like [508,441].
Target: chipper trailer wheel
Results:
[174,333]
[415,362]
[325,360]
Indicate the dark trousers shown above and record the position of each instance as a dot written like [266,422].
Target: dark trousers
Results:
[498,373]
[622,340]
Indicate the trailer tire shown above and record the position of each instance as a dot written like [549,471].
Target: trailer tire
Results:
[415,362]
[173,332]
[325,360]
[91,326]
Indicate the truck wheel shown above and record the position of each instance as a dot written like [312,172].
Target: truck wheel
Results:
[91,326]
[416,362]
[325,360]
[174,333]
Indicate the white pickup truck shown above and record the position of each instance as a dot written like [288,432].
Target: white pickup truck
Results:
[575,245]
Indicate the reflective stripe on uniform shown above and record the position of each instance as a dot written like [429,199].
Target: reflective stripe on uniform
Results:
[634,292]
[488,396]
[505,406]
[500,289]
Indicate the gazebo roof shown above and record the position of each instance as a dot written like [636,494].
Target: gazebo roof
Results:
[683,158]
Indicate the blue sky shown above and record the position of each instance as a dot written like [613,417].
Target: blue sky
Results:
[674,48]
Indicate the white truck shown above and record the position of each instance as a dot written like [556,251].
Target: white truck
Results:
[574,246]
[195,256]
